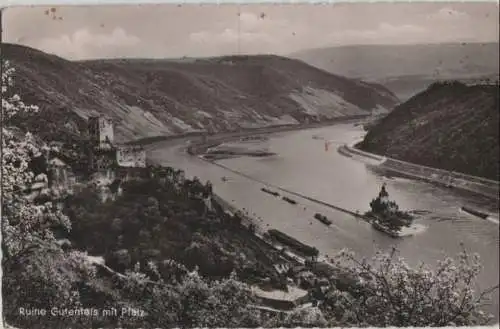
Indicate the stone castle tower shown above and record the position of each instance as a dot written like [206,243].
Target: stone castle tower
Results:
[108,158]
[101,132]
[102,150]
[383,195]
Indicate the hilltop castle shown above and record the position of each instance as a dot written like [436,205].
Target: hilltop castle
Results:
[107,162]
[108,159]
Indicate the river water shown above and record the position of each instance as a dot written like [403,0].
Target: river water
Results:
[303,165]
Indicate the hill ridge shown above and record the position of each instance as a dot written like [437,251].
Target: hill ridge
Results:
[162,97]
[450,126]
[408,68]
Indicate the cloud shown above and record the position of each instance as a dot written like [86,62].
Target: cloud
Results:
[228,36]
[83,44]
[252,32]
[447,13]
[225,36]
[384,33]
[228,41]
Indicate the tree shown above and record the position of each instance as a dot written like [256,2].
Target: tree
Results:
[119,260]
[208,190]
[216,304]
[391,293]
[306,317]
[24,223]
[36,270]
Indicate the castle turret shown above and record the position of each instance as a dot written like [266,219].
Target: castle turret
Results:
[383,195]
[101,132]
[102,151]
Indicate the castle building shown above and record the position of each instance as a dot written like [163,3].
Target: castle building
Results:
[383,195]
[101,132]
[108,158]
[131,156]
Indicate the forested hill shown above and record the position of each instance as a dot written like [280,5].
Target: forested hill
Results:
[450,126]
[166,97]
[408,69]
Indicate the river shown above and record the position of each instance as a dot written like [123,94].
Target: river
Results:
[304,166]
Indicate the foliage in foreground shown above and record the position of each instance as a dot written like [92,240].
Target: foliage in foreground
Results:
[391,293]
[38,273]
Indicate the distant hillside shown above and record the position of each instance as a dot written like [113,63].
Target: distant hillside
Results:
[450,126]
[407,69]
[163,97]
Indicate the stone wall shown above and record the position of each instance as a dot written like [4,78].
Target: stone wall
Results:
[131,156]
[478,185]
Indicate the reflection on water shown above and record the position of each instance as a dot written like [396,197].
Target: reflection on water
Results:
[302,165]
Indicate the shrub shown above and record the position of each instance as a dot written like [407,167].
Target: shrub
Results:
[119,260]
[391,293]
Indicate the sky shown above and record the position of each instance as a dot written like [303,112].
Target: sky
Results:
[173,31]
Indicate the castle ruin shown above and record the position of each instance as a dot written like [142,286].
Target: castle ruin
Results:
[107,158]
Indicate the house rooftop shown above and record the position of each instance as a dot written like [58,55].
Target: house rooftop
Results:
[56,162]
[292,295]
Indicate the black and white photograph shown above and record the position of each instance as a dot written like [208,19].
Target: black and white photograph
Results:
[250,165]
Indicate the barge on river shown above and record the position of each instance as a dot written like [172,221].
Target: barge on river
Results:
[269,191]
[382,228]
[293,243]
[291,201]
[474,212]
[323,219]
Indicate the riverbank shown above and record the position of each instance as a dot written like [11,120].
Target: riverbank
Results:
[482,186]
[245,132]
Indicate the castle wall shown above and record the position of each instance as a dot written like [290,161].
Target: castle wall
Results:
[130,156]
[102,161]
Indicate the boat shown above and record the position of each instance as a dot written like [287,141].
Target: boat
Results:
[342,150]
[474,212]
[382,228]
[291,201]
[254,139]
[419,212]
[292,243]
[269,191]
[323,219]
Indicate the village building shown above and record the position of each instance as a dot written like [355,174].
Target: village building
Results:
[38,187]
[59,173]
[281,300]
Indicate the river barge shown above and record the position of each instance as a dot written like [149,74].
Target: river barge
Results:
[323,219]
[269,192]
[291,201]
[382,228]
[293,243]
[474,212]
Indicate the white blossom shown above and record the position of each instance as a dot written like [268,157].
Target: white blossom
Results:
[24,222]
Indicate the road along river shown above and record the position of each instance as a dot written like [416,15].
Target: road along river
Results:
[303,165]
